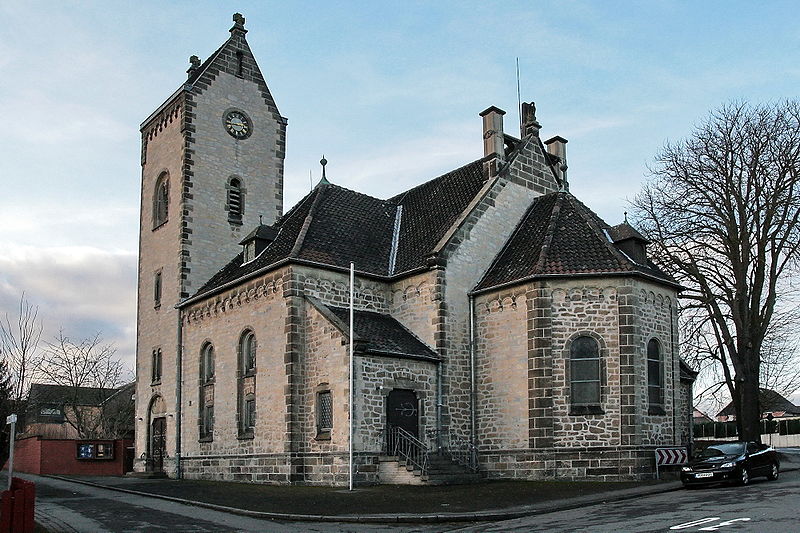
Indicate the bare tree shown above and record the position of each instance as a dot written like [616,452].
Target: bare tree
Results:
[19,346]
[88,374]
[723,211]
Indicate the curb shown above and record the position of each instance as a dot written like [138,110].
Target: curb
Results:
[477,516]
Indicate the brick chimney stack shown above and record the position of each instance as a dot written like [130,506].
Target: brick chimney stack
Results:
[493,141]
[557,147]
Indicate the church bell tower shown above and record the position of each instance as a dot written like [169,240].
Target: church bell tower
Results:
[212,163]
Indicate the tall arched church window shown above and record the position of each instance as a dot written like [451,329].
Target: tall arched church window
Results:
[584,371]
[235,201]
[655,374]
[206,393]
[246,412]
[161,200]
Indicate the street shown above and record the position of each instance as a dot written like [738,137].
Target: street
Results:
[761,507]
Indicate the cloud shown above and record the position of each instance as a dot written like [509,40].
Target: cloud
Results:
[81,290]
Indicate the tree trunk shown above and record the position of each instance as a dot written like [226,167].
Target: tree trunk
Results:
[749,423]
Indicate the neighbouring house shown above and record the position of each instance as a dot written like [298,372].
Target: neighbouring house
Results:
[500,325]
[771,402]
[699,417]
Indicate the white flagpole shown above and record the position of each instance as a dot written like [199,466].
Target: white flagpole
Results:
[352,381]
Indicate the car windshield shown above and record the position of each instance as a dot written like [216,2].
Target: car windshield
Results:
[734,448]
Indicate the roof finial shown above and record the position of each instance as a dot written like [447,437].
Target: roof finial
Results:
[194,63]
[324,162]
[238,23]
[260,220]
[626,217]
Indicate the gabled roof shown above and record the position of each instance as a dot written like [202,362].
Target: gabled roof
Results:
[770,401]
[43,393]
[376,333]
[333,226]
[560,236]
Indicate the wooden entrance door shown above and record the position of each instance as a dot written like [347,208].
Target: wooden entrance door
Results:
[402,410]
[158,444]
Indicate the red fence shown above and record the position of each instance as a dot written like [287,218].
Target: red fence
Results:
[16,507]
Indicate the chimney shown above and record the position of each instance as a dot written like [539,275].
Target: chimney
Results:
[529,125]
[557,148]
[493,141]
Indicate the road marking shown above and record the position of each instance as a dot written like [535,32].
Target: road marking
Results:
[725,523]
[695,523]
[713,527]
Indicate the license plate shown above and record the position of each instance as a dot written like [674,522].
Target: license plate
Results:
[704,474]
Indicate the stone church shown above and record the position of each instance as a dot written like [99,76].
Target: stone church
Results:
[501,328]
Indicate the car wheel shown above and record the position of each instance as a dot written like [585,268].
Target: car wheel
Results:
[773,472]
[744,476]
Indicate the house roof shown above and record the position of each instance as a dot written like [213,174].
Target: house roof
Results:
[43,393]
[376,333]
[560,236]
[333,226]
[770,401]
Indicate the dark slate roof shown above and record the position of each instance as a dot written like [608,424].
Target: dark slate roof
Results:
[382,334]
[42,393]
[624,231]
[263,232]
[687,373]
[770,401]
[430,209]
[560,236]
[333,226]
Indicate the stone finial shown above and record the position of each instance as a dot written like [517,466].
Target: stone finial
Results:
[194,63]
[238,23]
[530,126]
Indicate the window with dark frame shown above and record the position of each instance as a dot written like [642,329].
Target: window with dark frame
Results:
[584,372]
[249,413]
[324,413]
[161,201]
[103,451]
[235,201]
[207,363]
[156,374]
[207,422]
[157,289]
[248,352]
[655,374]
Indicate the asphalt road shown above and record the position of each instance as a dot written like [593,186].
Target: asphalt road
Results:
[762,507]
[62,506]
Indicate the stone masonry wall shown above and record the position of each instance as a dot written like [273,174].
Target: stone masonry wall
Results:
[414,302]
[469,254]
[585,308]
[257,305]
[156,325]
[502,370]
[654,315]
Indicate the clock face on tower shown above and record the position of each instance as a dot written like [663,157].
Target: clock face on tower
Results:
[237,124]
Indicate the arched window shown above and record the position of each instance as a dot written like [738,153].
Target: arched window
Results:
[655,374]
[235,201]
[156,367]
[584,371]
[157,289]
[207,363]
[206,393]
[247,384]
[161,200]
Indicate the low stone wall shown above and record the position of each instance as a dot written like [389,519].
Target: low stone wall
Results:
[612,463]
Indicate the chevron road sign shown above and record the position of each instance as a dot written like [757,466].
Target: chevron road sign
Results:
[670,456]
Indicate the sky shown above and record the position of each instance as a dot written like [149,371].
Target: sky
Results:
[388,91]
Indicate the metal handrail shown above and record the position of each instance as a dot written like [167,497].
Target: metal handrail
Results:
[401,443]
[459,451]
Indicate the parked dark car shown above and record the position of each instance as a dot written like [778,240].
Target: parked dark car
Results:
[731,462]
